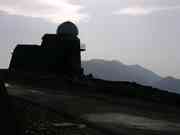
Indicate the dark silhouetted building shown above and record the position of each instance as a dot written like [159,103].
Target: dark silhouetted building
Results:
[59,53]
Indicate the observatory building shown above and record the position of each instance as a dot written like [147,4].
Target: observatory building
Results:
[58,53]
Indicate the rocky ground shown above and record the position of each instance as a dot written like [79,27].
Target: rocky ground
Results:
[41,111]
[36,120]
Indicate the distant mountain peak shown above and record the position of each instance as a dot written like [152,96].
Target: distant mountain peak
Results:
[170,78]
[102,60]
[117,71]
[169,83]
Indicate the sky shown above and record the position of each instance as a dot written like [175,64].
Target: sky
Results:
[144,32]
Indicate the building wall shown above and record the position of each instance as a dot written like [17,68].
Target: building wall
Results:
[56,54]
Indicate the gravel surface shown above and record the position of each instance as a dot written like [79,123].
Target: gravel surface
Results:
[37,120]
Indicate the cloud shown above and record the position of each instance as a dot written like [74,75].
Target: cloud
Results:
[51,10]
[141,11]
[2,13]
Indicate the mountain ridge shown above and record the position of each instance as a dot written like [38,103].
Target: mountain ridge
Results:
[117,71]
[168,83]
[124,72]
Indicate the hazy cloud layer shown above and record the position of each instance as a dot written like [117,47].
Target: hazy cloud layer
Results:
[151,40]
[140,10]
[52,10]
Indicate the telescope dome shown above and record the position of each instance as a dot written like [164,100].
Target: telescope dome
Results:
[67,28]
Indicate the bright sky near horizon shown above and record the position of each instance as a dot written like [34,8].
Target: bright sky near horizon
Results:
[144,32]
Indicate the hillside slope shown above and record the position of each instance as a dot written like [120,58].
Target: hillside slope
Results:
[168,83]
[117,71]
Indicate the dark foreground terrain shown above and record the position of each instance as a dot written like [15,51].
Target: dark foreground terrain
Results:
[98,112]
[40,120]
[53,106]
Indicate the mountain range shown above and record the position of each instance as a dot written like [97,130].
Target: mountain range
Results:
[117,71]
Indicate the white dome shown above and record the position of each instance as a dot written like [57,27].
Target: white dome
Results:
[67,28]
